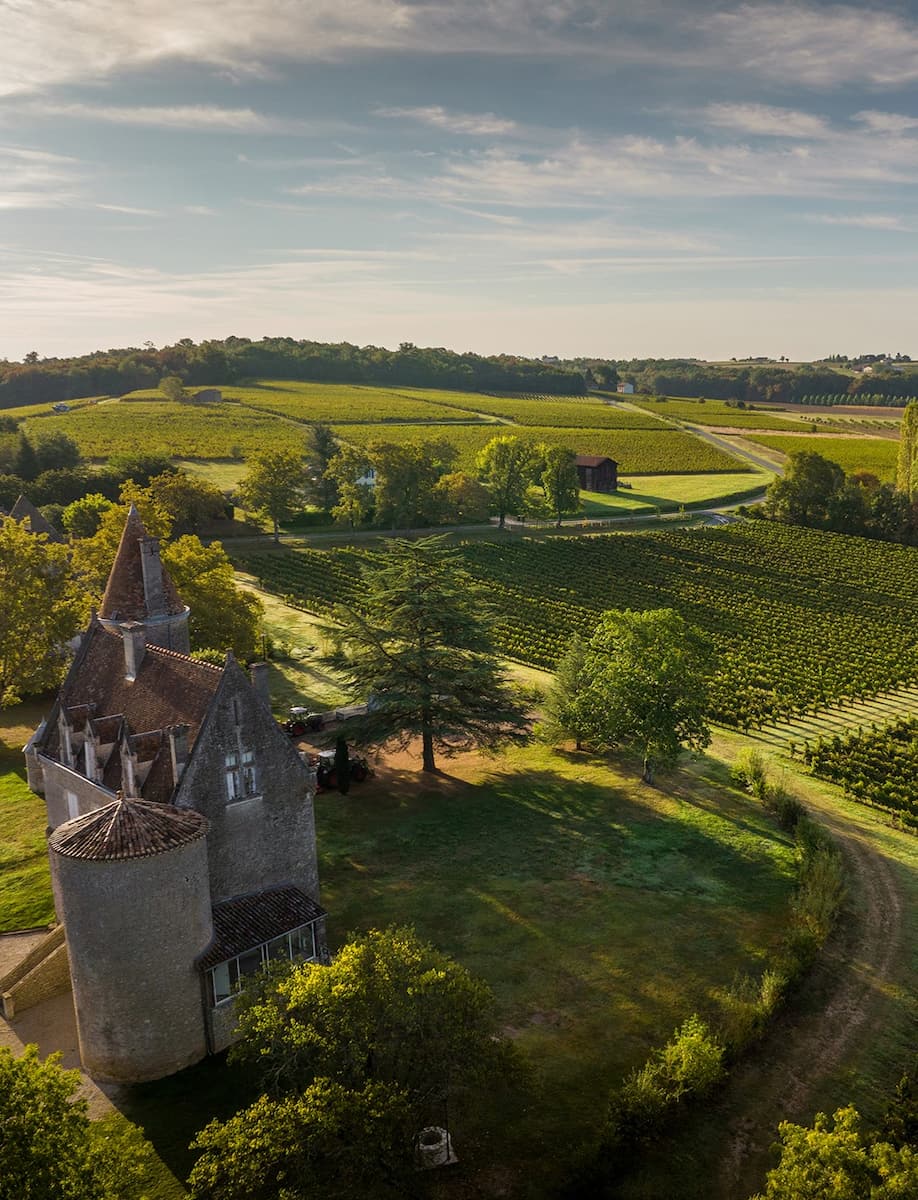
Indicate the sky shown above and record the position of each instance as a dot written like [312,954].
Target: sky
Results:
[555,177]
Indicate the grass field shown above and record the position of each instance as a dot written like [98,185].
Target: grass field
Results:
[650,492]
[25,879]
[876,455]
[637,451]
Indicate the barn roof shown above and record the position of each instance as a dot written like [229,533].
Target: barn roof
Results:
[247,921]
[128,829]
[594,460]
[125,596]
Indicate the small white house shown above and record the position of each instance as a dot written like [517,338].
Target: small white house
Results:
[626,389]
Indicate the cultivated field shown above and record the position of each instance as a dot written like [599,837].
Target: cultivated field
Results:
[656,451]
[800,618]
[715,412]
[876,455]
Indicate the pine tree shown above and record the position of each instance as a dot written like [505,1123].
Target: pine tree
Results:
[25,464]
[321,448]
[421,648]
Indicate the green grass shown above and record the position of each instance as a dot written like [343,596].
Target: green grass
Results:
[647,492]
[45,409]
[25,878]
[551,876]
[876,455]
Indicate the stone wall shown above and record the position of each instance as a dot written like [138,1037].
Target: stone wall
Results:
[262,840]
[58,781]
[49,977]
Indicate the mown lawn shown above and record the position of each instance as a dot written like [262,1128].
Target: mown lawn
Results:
[649,492]
[25,880]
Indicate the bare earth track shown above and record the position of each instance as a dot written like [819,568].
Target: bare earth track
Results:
[859,966]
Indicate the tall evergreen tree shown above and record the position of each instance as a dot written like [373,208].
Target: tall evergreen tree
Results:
[321,448]
[562,713]
[25,464]
[907,473]
[420,646]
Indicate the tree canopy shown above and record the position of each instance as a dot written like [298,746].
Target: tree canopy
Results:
[560,482]
[507,466]
[43,607]
[907,470]
[275,485]
[48,1146]
[420,649]
[642,683]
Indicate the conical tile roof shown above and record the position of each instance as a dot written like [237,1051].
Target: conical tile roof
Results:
[128,829]
[125,598]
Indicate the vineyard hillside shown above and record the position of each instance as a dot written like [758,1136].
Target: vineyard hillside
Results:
[799,618]
[874,454]
[715,412]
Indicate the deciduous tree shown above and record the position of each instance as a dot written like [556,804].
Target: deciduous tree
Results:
[41,610]
[907,471]
[421,647]
[507,466]
[803,495]
[275,486]
[349,471]
[223,617]
[82,518]
[406,479]
[332,1141]
[647,686]
[559,480]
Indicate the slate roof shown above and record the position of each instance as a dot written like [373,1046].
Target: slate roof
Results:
[124,598]
[25,511]
[594,460]
[128,829]
[169,689]
[247,921]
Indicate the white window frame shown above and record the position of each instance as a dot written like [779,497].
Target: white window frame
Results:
[236,975]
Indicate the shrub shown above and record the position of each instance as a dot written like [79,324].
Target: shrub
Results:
[749,771]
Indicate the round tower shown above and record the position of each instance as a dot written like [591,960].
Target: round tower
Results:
[131,889]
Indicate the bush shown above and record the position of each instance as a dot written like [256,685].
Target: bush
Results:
[689,1065]
[787,808]
[749,772]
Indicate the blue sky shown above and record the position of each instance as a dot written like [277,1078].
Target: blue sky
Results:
[562,178]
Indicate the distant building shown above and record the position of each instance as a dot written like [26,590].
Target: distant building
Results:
[182,842]
[208,396]
[626,389]
[28,515]
[596,473]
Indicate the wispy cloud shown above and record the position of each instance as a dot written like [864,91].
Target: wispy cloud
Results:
[129,210]
[763,120]
[886,122]
[206,118]
[810,44]
[882,222]
[31,178]
[475,124]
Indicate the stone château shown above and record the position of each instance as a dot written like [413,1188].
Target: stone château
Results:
[181,833]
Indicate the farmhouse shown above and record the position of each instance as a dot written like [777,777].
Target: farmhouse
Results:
[626,389]
[596,473]
[182,842]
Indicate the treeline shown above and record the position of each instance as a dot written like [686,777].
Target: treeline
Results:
[114,372]
[762,383]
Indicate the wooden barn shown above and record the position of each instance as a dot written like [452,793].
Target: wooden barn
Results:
[596,473]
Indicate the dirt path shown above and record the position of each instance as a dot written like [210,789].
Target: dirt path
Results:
[844,1000]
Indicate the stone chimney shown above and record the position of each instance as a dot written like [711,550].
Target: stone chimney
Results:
[259,675]
[135,647]
[178,749]
[152,567]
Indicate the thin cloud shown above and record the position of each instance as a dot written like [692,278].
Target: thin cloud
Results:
[206,118]
[129,210]
[475,124]
[886,122]
[881,222]
[763,120]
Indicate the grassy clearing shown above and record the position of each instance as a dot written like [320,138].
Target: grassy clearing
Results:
[25,879]
[876,455]
[649,492]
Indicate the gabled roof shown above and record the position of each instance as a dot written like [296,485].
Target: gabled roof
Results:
[128,829]
[168,689]
[25,511]
[594,460]
[125,597]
